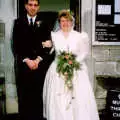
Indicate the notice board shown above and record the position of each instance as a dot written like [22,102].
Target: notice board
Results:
[107,21]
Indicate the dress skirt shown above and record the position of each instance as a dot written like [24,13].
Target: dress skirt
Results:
[63,104]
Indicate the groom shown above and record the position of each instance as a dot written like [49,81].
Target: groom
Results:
[32,53]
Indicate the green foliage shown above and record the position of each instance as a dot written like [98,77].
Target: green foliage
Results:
[66,66]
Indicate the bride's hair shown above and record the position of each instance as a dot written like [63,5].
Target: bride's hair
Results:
[66,14]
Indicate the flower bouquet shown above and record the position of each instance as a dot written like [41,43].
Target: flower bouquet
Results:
[66,66]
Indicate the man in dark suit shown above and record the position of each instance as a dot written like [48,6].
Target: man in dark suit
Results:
[32,48]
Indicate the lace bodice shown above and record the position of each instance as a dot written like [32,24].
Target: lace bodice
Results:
[76,42]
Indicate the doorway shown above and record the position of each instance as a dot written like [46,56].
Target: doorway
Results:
[49,10]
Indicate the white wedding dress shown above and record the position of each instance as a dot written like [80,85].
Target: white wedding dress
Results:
[57,101]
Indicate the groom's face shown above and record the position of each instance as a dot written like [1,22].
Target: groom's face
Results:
[32,7]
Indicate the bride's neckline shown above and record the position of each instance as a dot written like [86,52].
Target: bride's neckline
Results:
[65,34]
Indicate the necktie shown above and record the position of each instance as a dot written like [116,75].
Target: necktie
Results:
[31,22]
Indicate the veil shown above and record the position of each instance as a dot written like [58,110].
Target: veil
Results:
[57,25]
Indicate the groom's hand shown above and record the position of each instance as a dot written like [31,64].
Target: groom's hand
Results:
[33,64]
[30,63]
[36,63]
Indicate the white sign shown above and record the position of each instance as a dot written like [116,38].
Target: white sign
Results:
[117,5]
[117,19]
[104,9]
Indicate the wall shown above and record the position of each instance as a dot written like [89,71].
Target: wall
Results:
[86,25]
[7,15]
[105,58]
[107,65]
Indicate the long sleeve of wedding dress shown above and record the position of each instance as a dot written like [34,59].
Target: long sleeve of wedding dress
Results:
[82,47]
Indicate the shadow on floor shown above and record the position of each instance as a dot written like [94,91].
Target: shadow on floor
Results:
[10,117]
[16,117]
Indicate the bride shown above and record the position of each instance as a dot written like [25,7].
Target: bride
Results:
[59,102]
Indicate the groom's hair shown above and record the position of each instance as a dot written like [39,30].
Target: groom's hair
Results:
[26,1]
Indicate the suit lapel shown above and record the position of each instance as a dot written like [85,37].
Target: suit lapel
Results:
[26,20]
[37,22]
[26,23]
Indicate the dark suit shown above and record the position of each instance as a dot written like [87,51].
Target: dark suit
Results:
[27,43]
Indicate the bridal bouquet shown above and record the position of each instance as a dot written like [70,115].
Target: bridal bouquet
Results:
[66,66]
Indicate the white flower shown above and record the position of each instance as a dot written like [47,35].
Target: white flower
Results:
[38,23]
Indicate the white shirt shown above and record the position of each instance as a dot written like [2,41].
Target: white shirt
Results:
[33,18]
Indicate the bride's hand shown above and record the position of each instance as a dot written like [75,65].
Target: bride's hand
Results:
[47,43]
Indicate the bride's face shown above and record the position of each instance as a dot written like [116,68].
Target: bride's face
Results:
[65,24]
